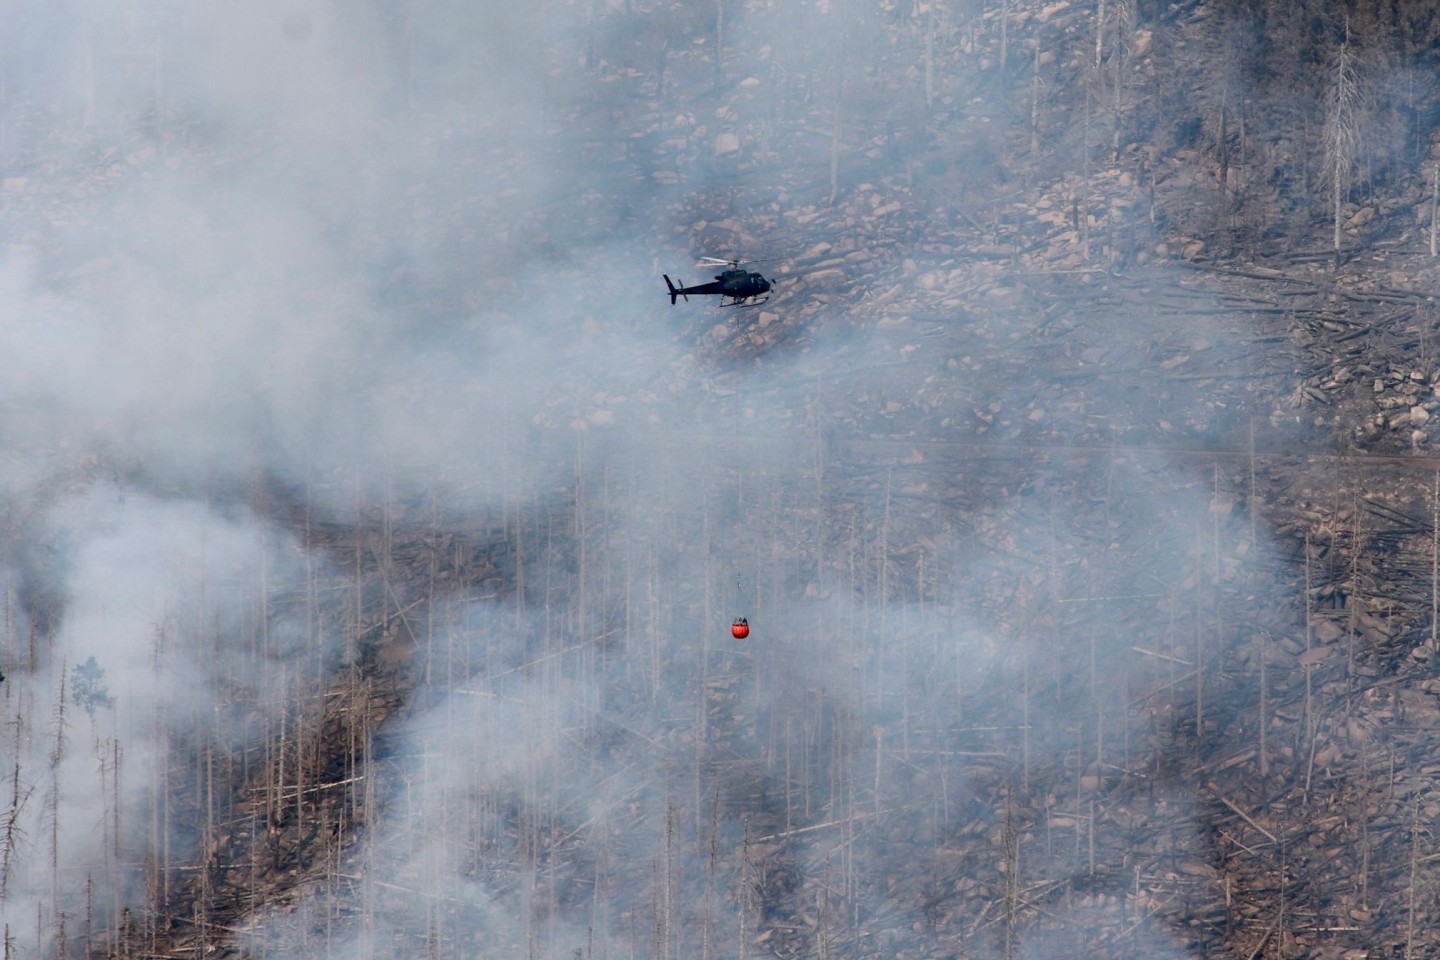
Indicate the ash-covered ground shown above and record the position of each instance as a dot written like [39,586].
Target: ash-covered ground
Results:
[373,525]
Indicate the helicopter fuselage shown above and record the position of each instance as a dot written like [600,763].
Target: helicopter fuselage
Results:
[742,284]
[739,286]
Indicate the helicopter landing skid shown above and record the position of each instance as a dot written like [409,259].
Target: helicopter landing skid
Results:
[744,303]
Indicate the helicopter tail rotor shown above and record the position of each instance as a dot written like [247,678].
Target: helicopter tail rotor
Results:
[675,291]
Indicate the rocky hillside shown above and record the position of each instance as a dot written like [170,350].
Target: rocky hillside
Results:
[1076,482]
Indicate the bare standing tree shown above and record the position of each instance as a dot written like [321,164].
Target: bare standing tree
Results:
[837,131]
[719,43]
[1434,209]
[1344,105]
[11,832]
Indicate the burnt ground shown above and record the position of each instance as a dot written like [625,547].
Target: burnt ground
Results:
[1085,515]
[1156,626]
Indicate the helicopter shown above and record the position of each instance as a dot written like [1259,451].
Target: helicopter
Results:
[736,287]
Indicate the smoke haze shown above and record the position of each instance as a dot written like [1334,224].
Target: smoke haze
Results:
[306,305]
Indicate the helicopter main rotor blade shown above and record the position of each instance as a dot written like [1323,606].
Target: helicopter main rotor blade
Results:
[738,261]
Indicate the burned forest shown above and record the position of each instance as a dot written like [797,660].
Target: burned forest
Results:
[372,523]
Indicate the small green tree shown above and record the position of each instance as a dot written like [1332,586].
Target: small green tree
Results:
[87,687]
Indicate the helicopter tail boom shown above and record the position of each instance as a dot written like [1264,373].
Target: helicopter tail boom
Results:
[675,291]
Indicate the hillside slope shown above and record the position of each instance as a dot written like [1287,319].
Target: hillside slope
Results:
[1076,482]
